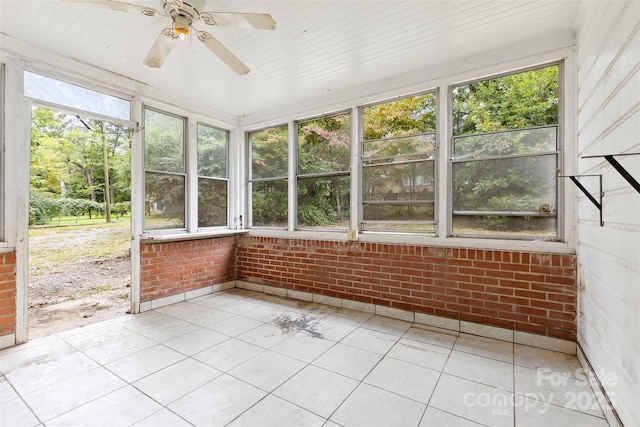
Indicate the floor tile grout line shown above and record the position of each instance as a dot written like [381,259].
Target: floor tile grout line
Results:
[126,384]
[163,407]
[76,351]
[435,387]
[385,355]
[360,382]
[306,364]
[513,376]
[22,399]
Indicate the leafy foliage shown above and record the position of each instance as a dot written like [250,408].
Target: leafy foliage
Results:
[43,209]
[398,161]
[492,120]
[212,202]
[514,101]
[165,178]
[212,152]
[163,142]
[324,148]
[407,116]
[269,153]
[67,162]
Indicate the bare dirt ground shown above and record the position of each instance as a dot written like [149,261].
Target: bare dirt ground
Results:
[77,276]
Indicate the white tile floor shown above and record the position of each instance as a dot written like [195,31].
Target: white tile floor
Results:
[242,358]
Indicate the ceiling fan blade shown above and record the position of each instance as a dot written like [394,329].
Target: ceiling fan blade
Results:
[260,21]
[116,5]
[161,48]
[222,52]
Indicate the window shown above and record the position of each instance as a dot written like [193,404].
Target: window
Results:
[398,165]
[165,175]
[268,184]
[505,154]
[62,93]
[323,179]
[212,176]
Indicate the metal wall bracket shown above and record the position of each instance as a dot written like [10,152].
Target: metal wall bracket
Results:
[617,166]
[597,203]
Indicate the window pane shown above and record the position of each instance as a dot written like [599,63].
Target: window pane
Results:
[59,92]
[396,182]
[164,201]
[323,202]
[519,186]
[408,116]
[323,145]
[523,141]
[526,227]
[514,117]
[212,202]
[400,149]
[397,193]
[515,101]
[212,151]
[398,212]
[269,204]
[163,142]
[269,153]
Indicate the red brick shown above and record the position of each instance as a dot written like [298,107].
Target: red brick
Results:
[483,286]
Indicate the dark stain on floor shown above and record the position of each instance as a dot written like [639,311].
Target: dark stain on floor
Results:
[304,323]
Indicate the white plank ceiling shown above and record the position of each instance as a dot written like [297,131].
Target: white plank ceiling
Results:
[319,47]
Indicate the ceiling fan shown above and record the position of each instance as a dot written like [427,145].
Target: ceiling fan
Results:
[183,14]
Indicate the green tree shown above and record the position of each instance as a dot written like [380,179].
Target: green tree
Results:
[67,161]
[407,116]
[514,101]
[492,120]
[212,172]
[269,159]
[164,169]
[398,155]
[324,148]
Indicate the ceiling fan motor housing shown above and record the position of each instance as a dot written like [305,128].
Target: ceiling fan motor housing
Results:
[190,9]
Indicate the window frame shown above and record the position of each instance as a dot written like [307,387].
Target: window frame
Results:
[338,174]
[185,173]
[433,159]
[559,152]
[250,180]
[565,59]
[224,179]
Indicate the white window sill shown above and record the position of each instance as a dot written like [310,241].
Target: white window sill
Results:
[163,238]
[422,240]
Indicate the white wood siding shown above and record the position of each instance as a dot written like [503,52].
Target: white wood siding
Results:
[609,256]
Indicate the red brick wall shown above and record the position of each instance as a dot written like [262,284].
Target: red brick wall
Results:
[7,293]
[524,291]
[174,267]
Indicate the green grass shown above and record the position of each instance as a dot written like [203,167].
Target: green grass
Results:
[83,220]
[56,247]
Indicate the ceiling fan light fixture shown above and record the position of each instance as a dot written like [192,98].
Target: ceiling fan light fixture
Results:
[181,25]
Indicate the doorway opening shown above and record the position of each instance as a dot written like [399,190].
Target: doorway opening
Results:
[79,221]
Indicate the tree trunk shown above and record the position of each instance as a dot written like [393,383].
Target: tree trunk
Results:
[89,179]
[107,186]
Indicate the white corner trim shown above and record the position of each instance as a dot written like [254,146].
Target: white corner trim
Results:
[7,341]
[609,411]
[184,296]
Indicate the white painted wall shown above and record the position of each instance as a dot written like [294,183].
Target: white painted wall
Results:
[608,43]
